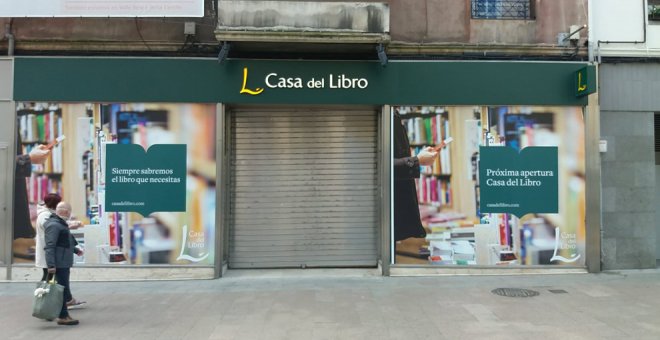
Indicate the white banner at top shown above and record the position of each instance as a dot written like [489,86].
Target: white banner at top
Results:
[101,8]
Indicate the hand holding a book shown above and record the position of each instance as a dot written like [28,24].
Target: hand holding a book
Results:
[443,144]
[74,224]
[39,154]
[427,156]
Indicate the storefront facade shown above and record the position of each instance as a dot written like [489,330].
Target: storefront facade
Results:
[290,164]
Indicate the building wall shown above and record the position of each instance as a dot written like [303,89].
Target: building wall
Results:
[620,29]
[630,87]
[552,18]
[628,95]
[301,17]
[557,16]
[447,21]
[411,21]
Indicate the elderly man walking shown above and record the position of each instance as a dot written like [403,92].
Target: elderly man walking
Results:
[60,247]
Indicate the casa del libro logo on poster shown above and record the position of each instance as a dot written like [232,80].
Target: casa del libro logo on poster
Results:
[274,80]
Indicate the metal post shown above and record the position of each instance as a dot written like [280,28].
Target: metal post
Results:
[593,189]
[385,191]
[8,152]
[221,188]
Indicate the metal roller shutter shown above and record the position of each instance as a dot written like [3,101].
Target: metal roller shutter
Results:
[303,188]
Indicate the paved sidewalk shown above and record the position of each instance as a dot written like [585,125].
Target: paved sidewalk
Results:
[621,305]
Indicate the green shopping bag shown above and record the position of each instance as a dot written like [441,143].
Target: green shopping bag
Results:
[48,299]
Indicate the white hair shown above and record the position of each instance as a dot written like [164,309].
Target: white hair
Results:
[63,209]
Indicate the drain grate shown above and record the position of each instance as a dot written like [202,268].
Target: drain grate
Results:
[557,291]
[514,292]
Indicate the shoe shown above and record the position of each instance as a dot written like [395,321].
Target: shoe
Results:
[73,304]
[68,321]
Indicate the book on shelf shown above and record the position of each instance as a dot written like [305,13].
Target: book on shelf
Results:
[433,190]
[431,130]
[41,130]
[463,257]
[462,247]
[464,233]
[439,227]
[440,236]
[440,247]
[451,252]
[446,216]
[442,165]
[425,130]
[40,126]
[420,110]
[40,185]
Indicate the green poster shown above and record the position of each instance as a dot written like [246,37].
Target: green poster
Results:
[518,183]
[145,182]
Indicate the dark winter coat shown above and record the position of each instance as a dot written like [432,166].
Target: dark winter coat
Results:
[22,224]
[407,221]
[60,244]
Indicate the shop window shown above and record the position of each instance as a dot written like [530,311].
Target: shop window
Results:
[502,9]
[654,11]
[487,193]
[140,178]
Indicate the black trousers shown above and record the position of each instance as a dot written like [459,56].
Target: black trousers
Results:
[62,277]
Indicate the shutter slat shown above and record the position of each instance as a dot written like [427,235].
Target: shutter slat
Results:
[656,120]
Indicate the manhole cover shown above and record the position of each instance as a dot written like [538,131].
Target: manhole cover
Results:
[514,292]
[557,291]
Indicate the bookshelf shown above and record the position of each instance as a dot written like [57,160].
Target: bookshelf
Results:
[40,125]
[429,126]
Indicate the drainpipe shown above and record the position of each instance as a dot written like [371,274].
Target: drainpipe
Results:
[10,38]
[643,41]
[590,33]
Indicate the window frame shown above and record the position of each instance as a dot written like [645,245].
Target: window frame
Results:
[529,15]
[653,11]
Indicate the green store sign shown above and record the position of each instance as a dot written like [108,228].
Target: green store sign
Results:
[145,181]
[298,82]
[518,183]
[585,81]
